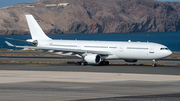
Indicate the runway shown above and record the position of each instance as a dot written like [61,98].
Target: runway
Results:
[59,82]
[59,79]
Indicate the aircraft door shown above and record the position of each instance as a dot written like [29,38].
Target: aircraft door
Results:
[79,46]
[121,48]
[49,43]
[151,49]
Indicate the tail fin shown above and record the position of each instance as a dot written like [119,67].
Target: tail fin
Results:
[35,29]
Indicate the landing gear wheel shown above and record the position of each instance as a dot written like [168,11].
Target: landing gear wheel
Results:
[154,65]
[78,63]
[85,63]
[107,63]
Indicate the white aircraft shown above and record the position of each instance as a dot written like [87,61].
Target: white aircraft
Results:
[97,52]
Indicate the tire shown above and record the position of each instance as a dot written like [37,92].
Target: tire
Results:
[107,63]
[85,63]
[78,63]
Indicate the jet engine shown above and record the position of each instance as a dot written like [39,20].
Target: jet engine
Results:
[92,58]
[129,60]
[34,42]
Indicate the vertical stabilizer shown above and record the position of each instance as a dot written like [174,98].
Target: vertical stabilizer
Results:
[35,30]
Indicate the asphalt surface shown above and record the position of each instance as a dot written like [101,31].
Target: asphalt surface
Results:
[104,91]
[110,91]
[160,97]
[163,70]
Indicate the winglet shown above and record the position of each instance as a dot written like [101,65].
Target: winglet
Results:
[9,44]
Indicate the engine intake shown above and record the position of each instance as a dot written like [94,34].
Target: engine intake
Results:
[93,58]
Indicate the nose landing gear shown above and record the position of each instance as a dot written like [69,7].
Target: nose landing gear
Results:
[154,63]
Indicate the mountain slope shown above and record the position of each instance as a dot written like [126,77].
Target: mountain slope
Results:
[92,16]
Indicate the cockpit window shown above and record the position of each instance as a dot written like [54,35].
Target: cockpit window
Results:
[164,49]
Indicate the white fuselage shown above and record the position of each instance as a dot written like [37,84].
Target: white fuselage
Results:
[118,50]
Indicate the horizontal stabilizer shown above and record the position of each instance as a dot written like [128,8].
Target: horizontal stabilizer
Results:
[16,39]
[9,44]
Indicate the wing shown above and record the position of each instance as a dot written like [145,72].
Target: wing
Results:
[76,51]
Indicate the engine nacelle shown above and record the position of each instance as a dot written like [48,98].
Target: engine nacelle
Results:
[92,58]
[129,60]
[34,42]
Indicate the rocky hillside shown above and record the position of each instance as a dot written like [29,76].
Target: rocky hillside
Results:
[92,16]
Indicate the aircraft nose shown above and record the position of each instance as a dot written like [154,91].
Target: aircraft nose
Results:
[166,53]
[169,52]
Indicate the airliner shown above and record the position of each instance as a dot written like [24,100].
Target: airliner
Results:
[95,52]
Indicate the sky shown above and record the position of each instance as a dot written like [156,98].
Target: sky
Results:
[4,3]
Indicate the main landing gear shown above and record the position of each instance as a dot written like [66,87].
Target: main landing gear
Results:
[81,63]
[154,63]
[104,63]
[85,63]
